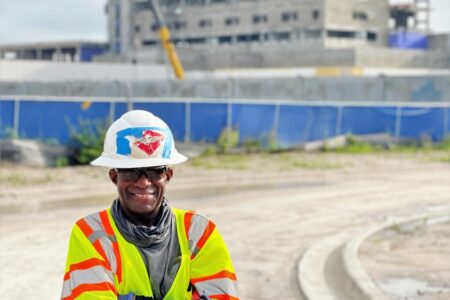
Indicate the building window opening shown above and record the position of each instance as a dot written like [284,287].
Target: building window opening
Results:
[194,2]
[260,19]
[247,38]
[196,40]
[371,36]
[289,16]
[179,25]
[154,27]
[225,39]
[360,15]
[231,21]
[149,42]
[281,36]
[204,23]
[313,34]
[341,34]
[316,14]
[142,6]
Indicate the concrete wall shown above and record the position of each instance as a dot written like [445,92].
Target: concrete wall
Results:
[356,89]
[290,55]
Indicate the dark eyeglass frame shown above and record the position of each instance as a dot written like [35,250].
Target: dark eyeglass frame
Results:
[133,174]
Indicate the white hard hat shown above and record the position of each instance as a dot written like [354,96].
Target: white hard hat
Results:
[138,139]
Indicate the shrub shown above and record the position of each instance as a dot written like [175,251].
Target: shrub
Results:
[228,138]
[86,141]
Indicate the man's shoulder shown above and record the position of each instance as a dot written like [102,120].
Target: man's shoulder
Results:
[92,217]
[190,213]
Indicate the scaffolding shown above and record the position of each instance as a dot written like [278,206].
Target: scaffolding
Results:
[422,16]
[412,16]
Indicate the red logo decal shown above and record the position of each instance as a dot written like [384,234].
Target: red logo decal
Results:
[150,141]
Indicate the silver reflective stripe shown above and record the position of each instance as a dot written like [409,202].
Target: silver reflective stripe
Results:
[106,241]
[97,235]
[96,274]
[196,230]
[221,286]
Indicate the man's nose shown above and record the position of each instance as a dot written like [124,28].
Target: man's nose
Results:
[143,181]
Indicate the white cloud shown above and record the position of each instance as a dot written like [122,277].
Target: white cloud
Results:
[56,20]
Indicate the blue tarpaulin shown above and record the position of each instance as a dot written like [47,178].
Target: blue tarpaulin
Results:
[408,40]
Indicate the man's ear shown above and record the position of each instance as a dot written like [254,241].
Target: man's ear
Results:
[169,174]
[113,176]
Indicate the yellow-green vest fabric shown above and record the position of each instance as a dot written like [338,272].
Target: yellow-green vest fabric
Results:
[101,264]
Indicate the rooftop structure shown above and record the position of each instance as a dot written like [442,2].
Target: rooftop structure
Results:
[411,16]
[56,51]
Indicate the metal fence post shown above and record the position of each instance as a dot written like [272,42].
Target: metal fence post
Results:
[229,121]
[16,120]
[338,128]
[398,120]
[276,120]
[112,111]
[445,131]
[187,122]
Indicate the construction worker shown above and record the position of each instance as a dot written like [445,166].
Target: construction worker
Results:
[141,247]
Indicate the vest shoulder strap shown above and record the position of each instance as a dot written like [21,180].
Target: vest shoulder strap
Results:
[97,228]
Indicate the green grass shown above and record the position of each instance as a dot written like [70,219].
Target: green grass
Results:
[293,160]
[262,161]
[357,147]
[226,161]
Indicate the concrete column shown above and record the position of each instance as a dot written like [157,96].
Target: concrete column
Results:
[39,54]
[58,54]
[233,40]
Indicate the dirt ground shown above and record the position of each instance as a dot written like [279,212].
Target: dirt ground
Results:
[269,208]
[412,263]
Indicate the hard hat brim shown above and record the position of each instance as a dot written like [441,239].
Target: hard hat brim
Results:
[121,162]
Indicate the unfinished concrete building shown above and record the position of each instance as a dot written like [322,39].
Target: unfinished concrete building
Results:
[252,33]
[201,23]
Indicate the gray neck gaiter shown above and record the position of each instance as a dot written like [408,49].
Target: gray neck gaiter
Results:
[158,245]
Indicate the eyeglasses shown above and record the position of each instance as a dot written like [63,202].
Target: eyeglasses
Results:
[152,173]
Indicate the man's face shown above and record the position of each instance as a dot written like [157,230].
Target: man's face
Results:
[141,192]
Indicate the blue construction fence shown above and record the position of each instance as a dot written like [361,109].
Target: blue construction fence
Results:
[291,123]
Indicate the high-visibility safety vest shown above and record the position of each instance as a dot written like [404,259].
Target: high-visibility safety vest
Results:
[101,264]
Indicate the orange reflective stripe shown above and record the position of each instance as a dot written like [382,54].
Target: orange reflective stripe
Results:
[222,274]
[87,230]
[108,228]
[187,222]
[91,287]
[208,230]
[89,263]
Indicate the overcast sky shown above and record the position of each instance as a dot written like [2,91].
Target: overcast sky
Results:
[61,20]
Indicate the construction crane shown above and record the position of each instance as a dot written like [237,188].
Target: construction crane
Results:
[164,37]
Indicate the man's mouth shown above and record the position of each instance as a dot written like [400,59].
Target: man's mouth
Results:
[143,195]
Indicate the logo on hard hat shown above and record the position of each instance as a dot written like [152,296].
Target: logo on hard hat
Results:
[141,142]
[150,141]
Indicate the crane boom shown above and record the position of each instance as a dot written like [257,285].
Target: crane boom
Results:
[164,37]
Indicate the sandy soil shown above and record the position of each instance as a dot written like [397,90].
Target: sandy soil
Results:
[410,264]
[268,208]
